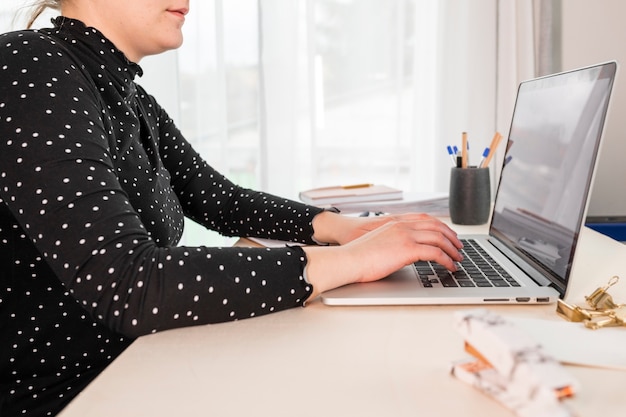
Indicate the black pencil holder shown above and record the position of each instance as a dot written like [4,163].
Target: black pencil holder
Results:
[470,196]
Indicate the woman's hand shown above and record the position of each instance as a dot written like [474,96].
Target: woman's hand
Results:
[335,228]
[372,248]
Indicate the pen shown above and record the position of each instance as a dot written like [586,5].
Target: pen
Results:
[492,149]
[464,150]
[485,154]
[451,153]
[347,187]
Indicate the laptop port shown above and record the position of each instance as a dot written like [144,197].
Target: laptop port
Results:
[522,299]
[543,299]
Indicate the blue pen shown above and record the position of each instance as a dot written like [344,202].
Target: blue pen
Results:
[485,153]
[452,155]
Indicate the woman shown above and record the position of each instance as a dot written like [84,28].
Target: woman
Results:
[94,182]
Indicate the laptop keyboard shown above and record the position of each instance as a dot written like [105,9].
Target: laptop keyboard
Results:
[477,269]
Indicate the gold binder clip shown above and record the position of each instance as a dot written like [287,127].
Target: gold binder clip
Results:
[600,299]
[603,320]
[619,314]
[572,312]
[604,312]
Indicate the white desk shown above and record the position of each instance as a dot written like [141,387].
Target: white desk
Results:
[334,361]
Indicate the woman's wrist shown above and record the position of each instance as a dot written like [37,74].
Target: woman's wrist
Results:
[326,268]
[325,226]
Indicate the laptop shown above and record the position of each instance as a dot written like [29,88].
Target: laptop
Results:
[539,208]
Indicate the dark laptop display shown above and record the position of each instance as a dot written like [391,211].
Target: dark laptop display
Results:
[549,160]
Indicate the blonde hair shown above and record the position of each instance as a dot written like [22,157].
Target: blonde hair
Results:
[39,7]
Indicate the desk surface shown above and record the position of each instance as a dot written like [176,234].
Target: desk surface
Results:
[335,361]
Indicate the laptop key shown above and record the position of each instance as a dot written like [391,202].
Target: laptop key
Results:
[461,275]
[448,281]
[429,281]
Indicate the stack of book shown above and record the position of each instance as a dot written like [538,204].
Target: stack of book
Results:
[358,193]
[376,198]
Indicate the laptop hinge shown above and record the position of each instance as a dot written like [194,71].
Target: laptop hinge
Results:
[532,270]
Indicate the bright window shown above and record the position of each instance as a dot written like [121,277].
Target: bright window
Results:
[285,95]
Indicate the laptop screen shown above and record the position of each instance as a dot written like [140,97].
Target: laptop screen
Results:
[549,162]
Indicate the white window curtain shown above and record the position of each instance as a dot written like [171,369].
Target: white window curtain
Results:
[284,95]
[528,46]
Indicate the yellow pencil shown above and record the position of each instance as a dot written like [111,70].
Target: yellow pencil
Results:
[356,186]
[464,150]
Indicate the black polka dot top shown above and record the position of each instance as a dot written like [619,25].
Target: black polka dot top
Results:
[95,180]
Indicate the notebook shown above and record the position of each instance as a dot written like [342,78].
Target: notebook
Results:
[539,208]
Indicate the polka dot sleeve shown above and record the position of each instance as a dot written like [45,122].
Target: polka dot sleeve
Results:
[215,202]
[82,172]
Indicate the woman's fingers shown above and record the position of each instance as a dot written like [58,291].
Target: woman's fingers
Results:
[400,243]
